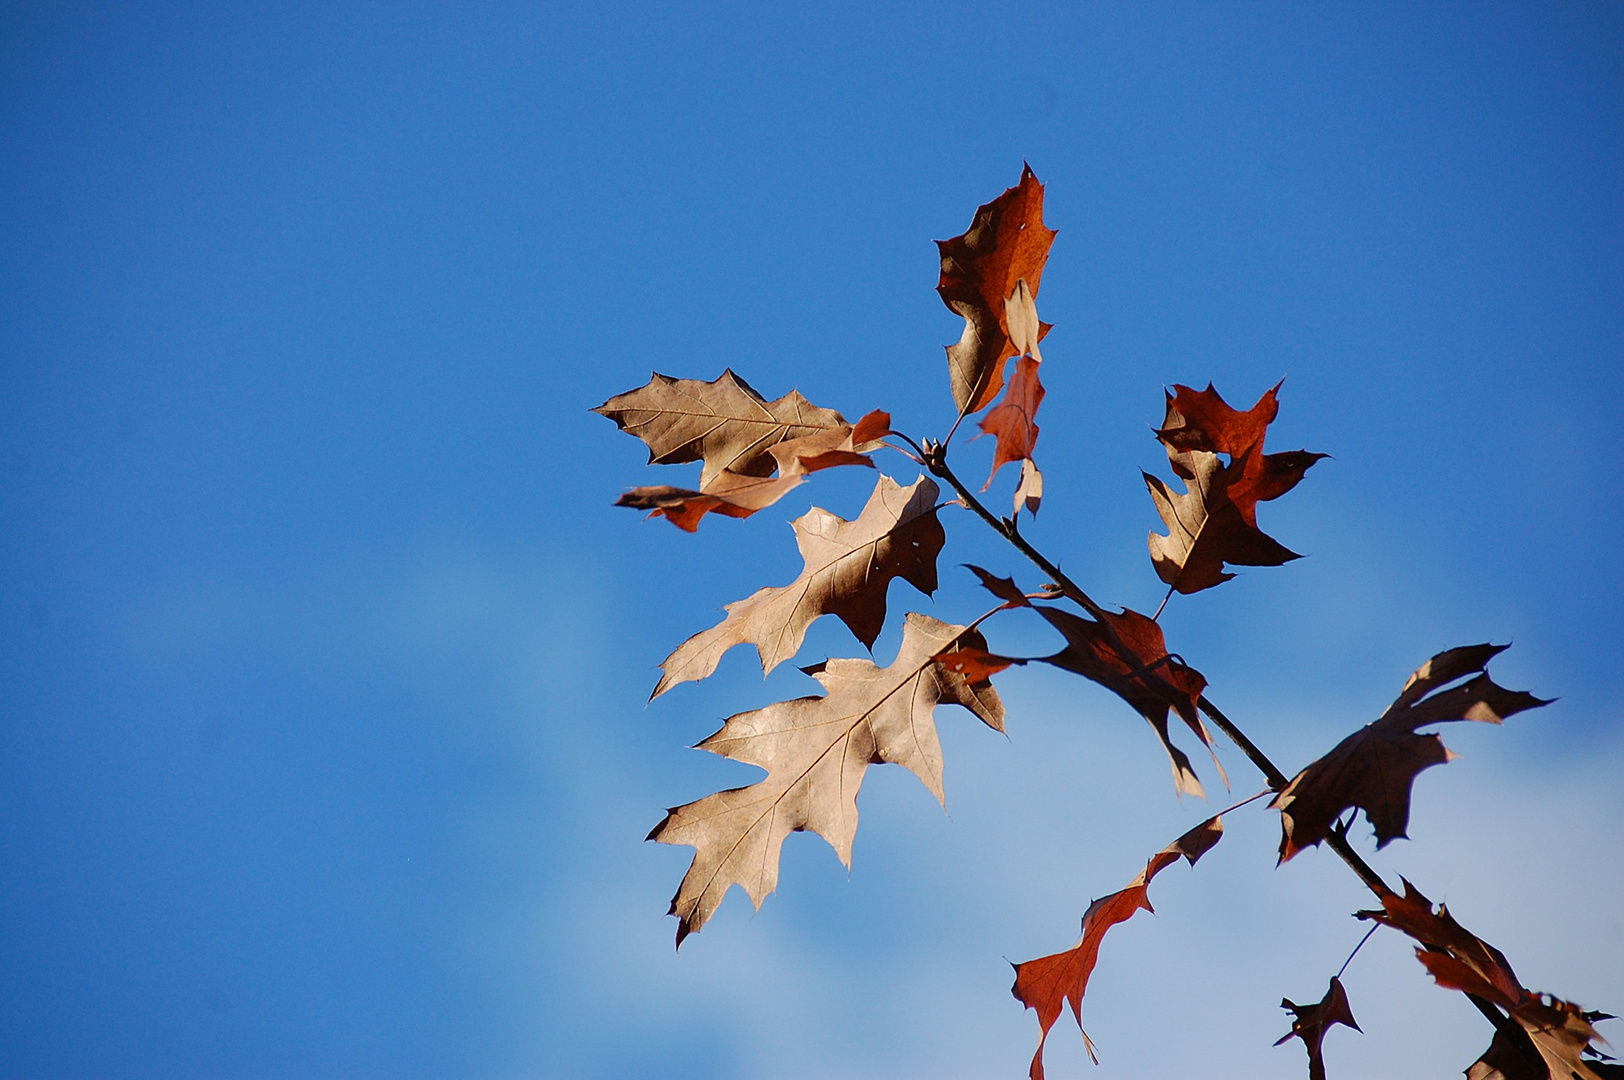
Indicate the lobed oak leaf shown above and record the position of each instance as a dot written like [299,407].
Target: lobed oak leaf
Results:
[1560,1032]
[848,568]
[816,751]
[1051,982]
[1154,684]
[1374,768]
[1006,244]
[725,423]
[1012,420]
[1313,1021]
[1214,521]
[1206,527]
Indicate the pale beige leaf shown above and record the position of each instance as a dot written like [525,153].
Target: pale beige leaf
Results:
[848,567]
[816,751]
[1029,495]
[1021,317]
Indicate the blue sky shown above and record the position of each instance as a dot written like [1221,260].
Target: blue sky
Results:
[323,745]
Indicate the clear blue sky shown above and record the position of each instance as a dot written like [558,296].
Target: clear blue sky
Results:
[323,654]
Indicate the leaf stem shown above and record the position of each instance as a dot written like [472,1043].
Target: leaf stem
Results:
[934,455]
[1355,951]
[1162,606]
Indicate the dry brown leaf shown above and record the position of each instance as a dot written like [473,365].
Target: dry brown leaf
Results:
[1051,982]
[729,494]
[848,567]
[1012,420]
[1214,521]
[1007,243]
[1156,683]
[1314,1020]
[816,751]
[1002,587]
[1560,1031]
[1373,769]
[724,423]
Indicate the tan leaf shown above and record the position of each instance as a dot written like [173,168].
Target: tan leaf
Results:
[1206,528]
[816,751]
[1154,684]
[1050,982]
[723,423]
[1007,243]
[1313,1021]
[848,567]
[1374,768]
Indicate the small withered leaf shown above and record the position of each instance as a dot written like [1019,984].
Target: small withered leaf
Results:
[1313,1021]
[1051,982]
[1002,587]
[816,751]
[729,494]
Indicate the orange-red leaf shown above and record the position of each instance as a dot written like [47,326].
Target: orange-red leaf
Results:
[1012,420]
[1007,243]
[974,664]
[1051,982]
[1313,1021]
[871,428]
[1203,420]
[1152,684]
[1374,768]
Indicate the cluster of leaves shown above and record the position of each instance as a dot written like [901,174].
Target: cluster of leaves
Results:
[817,749]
